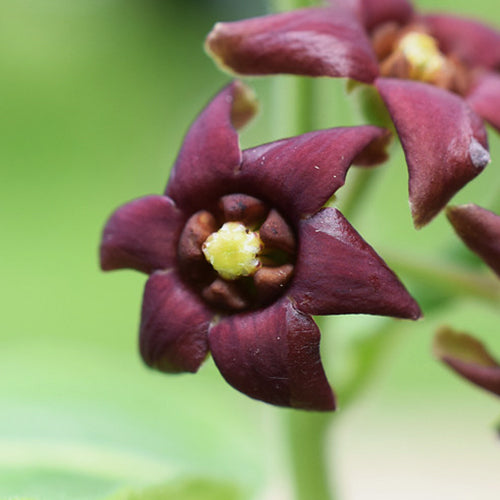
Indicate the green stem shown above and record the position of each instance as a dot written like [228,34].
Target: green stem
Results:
[353,194]
[494,204]
[284,5]
[453,280]
[294,113]
[369,355]
[307,434]
[294,106]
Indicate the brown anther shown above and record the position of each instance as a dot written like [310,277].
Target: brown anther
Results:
[270,281]
[395,66]
[225,295]
[384,39]
[276,233]
[197,229]
[243,208]
[455,77]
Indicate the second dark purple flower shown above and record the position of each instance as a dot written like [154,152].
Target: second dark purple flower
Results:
[438,76]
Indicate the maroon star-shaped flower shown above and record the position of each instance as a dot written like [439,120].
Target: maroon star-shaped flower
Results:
[257,325]
[438,76]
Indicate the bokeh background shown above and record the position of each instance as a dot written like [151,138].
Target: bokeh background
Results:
[95,97]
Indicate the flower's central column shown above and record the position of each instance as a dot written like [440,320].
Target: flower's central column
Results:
[239,255]
[423,56]
[233,251]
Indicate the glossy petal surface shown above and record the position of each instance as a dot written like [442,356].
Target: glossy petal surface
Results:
[443,139]
[484,98]
[375,12]
[472,41]
[337,272]
[174,325]
[469,358]
[142,235]
[312,42]
[480,230]
[298,175]
[210,151]
[273,355]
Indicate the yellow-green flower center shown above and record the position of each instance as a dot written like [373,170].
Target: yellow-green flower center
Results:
[423,55]
[233,251]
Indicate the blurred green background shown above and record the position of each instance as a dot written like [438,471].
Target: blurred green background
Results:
[95,98]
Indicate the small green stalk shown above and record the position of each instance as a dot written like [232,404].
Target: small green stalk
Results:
[441,276]
[307,433]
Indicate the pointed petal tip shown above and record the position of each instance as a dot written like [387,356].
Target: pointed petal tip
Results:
[311,41]
[214,49]
[479,155]
[375,152]
[273,355]
[245,104]
[444,141]
[479,229]
[342,274]
[468,357]
[413,310]
[206,165]
[450,344]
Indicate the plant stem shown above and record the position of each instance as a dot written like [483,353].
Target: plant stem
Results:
[284,5]
[294,113]
[451,279]
[360,180]
[307,437]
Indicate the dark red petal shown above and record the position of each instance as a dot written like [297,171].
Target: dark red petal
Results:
[337,272]
[311,42]
[174,325]
[142,235]
[273,355]
[469,358]
[484,98]
[472,41]
[480,230]
[210,151]
[301,173]
[373,13]
[444,142]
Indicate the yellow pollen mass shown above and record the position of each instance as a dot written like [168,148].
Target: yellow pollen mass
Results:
[233,250]
[422,53]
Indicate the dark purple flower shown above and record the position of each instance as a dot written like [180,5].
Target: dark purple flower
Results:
[469,358]
[438,76]
[480,231]
[276,256]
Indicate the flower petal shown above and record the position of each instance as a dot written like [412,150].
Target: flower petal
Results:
[301,173]
[310,42]
[174,325]
[472,41]
[210,151]
[469,358]
[337,272]
[484,98]
[273,355]
[480,230]
[373,13]
[444,142]
[142,235]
